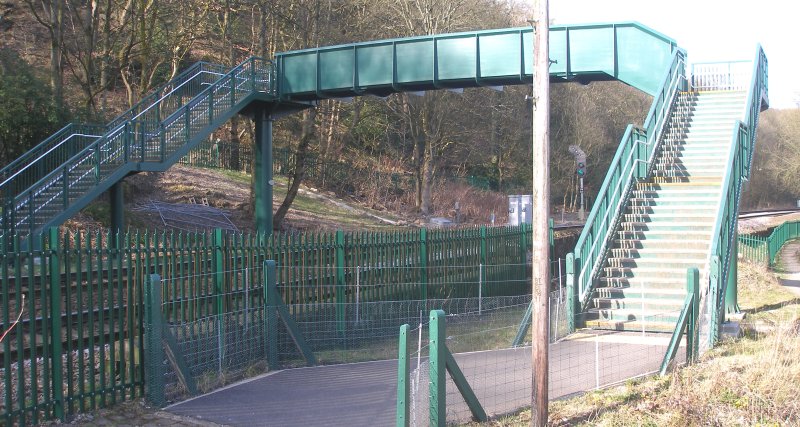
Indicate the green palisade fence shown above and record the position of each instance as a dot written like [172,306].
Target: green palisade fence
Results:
[80,300]
[764,250]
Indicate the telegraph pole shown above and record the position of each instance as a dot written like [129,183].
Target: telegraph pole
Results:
[540,285]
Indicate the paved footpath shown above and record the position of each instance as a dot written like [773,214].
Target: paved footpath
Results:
[364,394]
[790,261]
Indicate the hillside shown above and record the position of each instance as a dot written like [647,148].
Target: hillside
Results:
[229,192]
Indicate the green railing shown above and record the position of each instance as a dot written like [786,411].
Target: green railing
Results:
[738,170]
[632,161]
[754,249]
[79,300]
[765,250]
[146,138]
[29,168]
[687,323]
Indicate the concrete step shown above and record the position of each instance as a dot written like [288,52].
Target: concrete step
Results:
[630,325]
[707,185]
[687,174]
[643,273]
[664,253]
[686,244]
[635,293]
[656,262]
[662,234]
[667,226]
[648,304]
[685,201]
[660,220]
[627,315]
[672,191]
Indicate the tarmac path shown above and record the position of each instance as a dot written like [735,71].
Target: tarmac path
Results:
[364,394]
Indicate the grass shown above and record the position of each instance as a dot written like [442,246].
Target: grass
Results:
[315,207]
[749,381]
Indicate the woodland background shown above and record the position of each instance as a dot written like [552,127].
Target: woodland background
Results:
[89,60]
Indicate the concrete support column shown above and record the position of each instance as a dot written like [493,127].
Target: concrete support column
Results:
[263,171]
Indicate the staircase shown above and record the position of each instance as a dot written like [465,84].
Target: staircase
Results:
[669,219]
[62,175]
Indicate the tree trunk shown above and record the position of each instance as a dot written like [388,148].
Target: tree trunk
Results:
[307,135]
[56,53]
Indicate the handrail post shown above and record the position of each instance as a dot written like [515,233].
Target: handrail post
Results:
[403,383]
[693,289]
[437,364]
[572,302]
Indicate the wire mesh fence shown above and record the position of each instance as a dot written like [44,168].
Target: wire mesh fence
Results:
[223,337]
[501,375]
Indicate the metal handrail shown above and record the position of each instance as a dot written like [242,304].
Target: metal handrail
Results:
[742,142]
[115,147]
[635,167]
[155,98]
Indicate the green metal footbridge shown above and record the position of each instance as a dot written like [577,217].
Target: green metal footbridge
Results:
[63,174]
[678,176]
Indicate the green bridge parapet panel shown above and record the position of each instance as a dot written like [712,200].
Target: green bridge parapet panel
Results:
[629,52]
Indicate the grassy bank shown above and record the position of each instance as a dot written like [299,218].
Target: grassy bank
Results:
[748,381]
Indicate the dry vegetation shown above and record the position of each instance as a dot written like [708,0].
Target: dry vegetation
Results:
[748,381]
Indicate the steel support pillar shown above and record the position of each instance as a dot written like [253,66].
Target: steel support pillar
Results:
[732,290]
[263,171]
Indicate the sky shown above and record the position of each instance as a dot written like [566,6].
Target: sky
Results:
[710,31]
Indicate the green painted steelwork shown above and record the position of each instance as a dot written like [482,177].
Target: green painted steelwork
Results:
[275,303]
[403,380]
[55,316]
[687,323]
[437,361]
[263,182]
[628,51]
[153,337]
[632,162]
[42,190]
[737,171]
[765,250]
[755,249]
[150,138]
[441,360]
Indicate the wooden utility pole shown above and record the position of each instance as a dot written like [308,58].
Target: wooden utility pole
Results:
[541,211]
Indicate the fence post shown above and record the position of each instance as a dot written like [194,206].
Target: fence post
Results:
[437,365]
[270,315]
[552,240]
[571,291]
[482,265]
[523,242]
[423,263]
[732,289]
[340,283]
[713,305]
[55,322]
[692,288]
[153,337]
[218,266]
[403,385]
